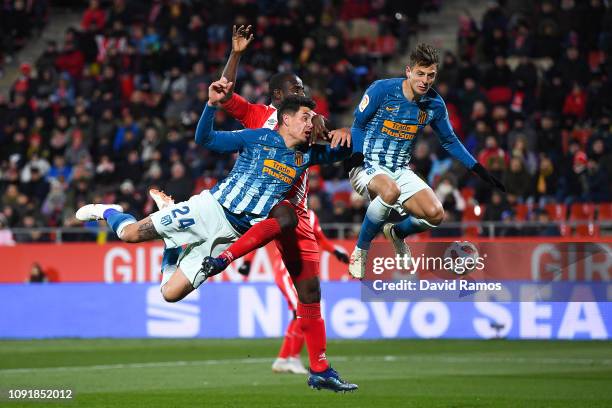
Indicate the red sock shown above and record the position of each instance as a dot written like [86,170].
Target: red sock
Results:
[285,350]
[256,237]
[313,327]
[298,339]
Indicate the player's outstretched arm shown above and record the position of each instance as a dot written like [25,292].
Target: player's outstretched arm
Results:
[488,177]
[241,38]
[221,141]
[449,140]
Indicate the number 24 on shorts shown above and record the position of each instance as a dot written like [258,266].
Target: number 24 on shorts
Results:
[183,222]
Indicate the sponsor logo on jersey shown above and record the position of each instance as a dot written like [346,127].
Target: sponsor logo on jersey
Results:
[364,102]
[279,170]
[399,130]
[392,108]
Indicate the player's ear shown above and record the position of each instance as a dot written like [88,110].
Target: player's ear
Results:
[407,71]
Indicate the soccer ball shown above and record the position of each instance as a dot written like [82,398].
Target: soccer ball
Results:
[461,256]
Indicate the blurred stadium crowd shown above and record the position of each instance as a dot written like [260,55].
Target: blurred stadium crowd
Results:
[111,110]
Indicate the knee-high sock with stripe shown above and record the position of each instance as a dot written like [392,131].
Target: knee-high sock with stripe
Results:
[256,237]
[118,220]
[298,339]
[287,346]
[313,327]
[376,216]
[411,225]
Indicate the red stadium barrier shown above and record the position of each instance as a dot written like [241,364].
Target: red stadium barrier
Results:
[525,258]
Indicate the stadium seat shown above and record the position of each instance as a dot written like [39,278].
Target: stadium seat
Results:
[522,210]
[499,94]
[582,212]
[467,193]
[384,46]
[558,212]
[472,213]
[596,58]
[604,211]
[344,196]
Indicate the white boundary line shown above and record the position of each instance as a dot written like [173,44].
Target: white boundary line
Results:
[389,358]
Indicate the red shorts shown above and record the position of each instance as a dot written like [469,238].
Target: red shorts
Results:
[299,248]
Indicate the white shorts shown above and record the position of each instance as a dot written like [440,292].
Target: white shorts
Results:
[199,223]
[407,181]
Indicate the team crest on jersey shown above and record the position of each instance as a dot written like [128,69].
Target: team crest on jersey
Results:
[422,117]
[299,158]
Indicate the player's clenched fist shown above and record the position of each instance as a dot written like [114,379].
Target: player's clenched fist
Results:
[218,90]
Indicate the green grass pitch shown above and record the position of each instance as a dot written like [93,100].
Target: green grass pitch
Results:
[236,373]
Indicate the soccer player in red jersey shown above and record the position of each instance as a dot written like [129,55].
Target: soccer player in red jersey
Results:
[288,359]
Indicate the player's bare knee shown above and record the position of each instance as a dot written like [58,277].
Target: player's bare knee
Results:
[310,297]
[390,194]
[435,214]
[308,291]
[169,295]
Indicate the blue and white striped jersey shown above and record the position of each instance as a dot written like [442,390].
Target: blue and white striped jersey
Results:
[265,171]
[388,124]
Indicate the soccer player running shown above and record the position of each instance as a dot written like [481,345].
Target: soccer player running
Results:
[387,120]
[268,165]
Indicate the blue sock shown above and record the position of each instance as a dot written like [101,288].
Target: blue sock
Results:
[170,257]
[377,214]
[411,225]
[116,219]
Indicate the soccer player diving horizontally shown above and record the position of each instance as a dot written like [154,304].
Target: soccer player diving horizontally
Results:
[268,165]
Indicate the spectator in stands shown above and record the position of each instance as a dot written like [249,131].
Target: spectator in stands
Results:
[494,210]
[143,51]
[31,223]
[549,137]
[517,180]
[547,228]
[510,227]
[37,274]
[575,102]
[449,195]
[37,188]
[180,186]
[598,181]
[94,18]
[576,179]
[6,236]
[546,180]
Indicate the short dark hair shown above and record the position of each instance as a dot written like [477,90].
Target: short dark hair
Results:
[278,80]
[424,55]
[292,103]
